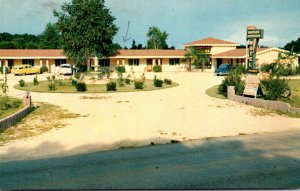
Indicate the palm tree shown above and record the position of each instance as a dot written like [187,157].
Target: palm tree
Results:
[197,57]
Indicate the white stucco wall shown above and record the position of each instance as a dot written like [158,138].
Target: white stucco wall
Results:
[220,49]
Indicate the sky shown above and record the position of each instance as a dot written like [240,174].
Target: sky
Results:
[183,20]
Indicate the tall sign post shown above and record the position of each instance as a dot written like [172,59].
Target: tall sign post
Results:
[252,77]
[253,36]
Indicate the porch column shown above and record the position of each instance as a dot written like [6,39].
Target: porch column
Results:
[41,62]
[47,64]
[96,62]
[123,62]
[159,62]
[153,62]
[6,63]
[118,62]
[0,63]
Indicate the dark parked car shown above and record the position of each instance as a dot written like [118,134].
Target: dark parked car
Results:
[223,69]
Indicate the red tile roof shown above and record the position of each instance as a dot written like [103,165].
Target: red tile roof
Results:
[58,53]
[236,53]
[211,41]
[31,53]
[149,53]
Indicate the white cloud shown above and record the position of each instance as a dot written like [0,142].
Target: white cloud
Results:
[270,40]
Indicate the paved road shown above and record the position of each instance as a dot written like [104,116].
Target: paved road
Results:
[250,161]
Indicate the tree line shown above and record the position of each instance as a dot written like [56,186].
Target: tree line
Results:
[293,46]
[50,38]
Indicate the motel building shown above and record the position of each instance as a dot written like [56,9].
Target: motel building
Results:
[144,60]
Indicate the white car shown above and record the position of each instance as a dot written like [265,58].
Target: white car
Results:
[66,69]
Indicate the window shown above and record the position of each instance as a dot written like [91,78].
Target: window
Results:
[173,61]
[28,61]
[134,62]
[104,62]
[149,61]
[59,62]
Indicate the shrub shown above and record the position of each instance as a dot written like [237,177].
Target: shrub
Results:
[35,80]
[111,86]
[120,80]
[284,70]
[157,82]
[81,86]
[21,83]
[127,81]
[52,86]
[77,75]
[279,69]
[139,84]
[73,82]
[7,103]
[120,69]
[60,82]
[168,81]
[265,67]
[233,79]
[157,68]
[48,78]
[43,69]
[275,88]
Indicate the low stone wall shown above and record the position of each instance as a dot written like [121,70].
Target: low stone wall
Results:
[272,105]
[14,118]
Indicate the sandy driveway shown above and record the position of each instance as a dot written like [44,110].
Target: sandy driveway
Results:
[133,119]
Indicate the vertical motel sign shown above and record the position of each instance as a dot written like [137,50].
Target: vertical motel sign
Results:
[253,36]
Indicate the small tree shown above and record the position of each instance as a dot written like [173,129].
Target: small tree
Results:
[197,58]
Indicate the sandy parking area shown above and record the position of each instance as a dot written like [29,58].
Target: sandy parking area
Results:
[139,118]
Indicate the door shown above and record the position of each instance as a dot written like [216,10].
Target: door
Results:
[219,62]
[149,65]
[10,64]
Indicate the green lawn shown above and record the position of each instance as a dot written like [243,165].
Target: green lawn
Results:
[213,92]
[294,101]
[16,105]
[91,88]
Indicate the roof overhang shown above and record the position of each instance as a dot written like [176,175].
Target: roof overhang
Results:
[237,57]
[32,57]
[213,45]
[145,57]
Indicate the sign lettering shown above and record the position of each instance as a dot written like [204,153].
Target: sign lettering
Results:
[251,85]
[253,36]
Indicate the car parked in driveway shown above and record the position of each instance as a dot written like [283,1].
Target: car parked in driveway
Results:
[25,69]
[66,69]
[223,69]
